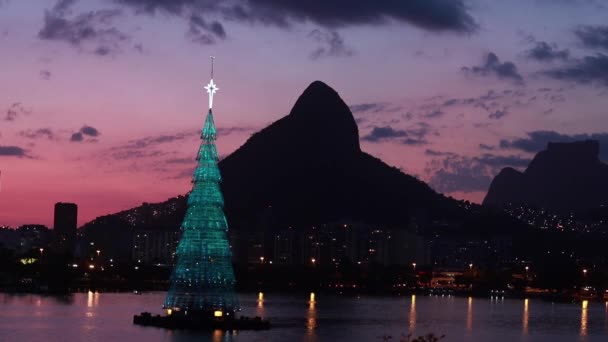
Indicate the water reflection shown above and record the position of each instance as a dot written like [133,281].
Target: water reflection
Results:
[217,335]
[311,316]
[470,314]
[606,317]
[413,314]
[584,306]
[526,317]
[259,311]
[92,299]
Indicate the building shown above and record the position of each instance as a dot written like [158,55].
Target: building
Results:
[64,227]
[154,246]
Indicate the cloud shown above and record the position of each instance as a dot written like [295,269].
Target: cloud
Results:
[384,133]
[203,32]
[13,151]
[493,67]
[90,131]
[499,114]
[163,139]
[595,37]
[414,135]
[38,133]
[77,137]
[537,141]
[486,147]
[430,15]
[545,52]
[181,161]
[452,172]
[332,45]
[433,114]
[491,101]
[89,31]
[85,131]
[234,129]
[14,111]
[158,140]
[373,107]
[588,70]
[45,75]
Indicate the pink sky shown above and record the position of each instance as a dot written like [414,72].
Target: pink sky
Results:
[145,97]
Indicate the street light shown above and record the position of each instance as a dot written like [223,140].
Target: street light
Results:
[261,260]
[41,250]
[414,265]
[98,251]
[313,260]
[585,271]
[470,266]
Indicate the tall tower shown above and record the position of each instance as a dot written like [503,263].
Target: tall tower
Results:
[64,227]
[203,280]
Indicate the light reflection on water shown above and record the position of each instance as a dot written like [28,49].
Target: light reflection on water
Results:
[526,317]
[412,314]
[259,311]
[584,307]
[470,314]
[311,316]
[107,317]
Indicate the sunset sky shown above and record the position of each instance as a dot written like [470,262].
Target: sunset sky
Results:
[101,101]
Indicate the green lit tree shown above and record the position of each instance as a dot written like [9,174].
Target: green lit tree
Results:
[203,278]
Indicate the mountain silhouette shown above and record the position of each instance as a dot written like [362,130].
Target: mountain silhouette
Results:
[305,168]
[308,168]
[564,177]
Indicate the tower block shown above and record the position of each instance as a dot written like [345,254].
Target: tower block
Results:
[203,280]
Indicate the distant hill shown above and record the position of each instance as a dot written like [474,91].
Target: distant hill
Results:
[564,177]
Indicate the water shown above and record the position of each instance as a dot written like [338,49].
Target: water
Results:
[107,317]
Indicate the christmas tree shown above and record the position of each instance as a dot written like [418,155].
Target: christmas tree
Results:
[203,279]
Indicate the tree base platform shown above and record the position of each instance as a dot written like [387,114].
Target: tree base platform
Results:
[200,323]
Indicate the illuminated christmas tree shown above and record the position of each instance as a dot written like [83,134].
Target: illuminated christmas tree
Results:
[203,279]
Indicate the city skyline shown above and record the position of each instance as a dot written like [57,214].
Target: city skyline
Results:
[103,99]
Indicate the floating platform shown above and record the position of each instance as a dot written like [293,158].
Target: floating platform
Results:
[200,323]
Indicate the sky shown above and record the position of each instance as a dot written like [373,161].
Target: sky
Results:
[102,101]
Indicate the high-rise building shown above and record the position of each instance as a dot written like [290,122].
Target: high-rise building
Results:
[203,278]
[64,227]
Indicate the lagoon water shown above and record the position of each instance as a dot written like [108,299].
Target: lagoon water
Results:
[107,317]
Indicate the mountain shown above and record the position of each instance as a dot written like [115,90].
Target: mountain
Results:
[308,168]
[564,177]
